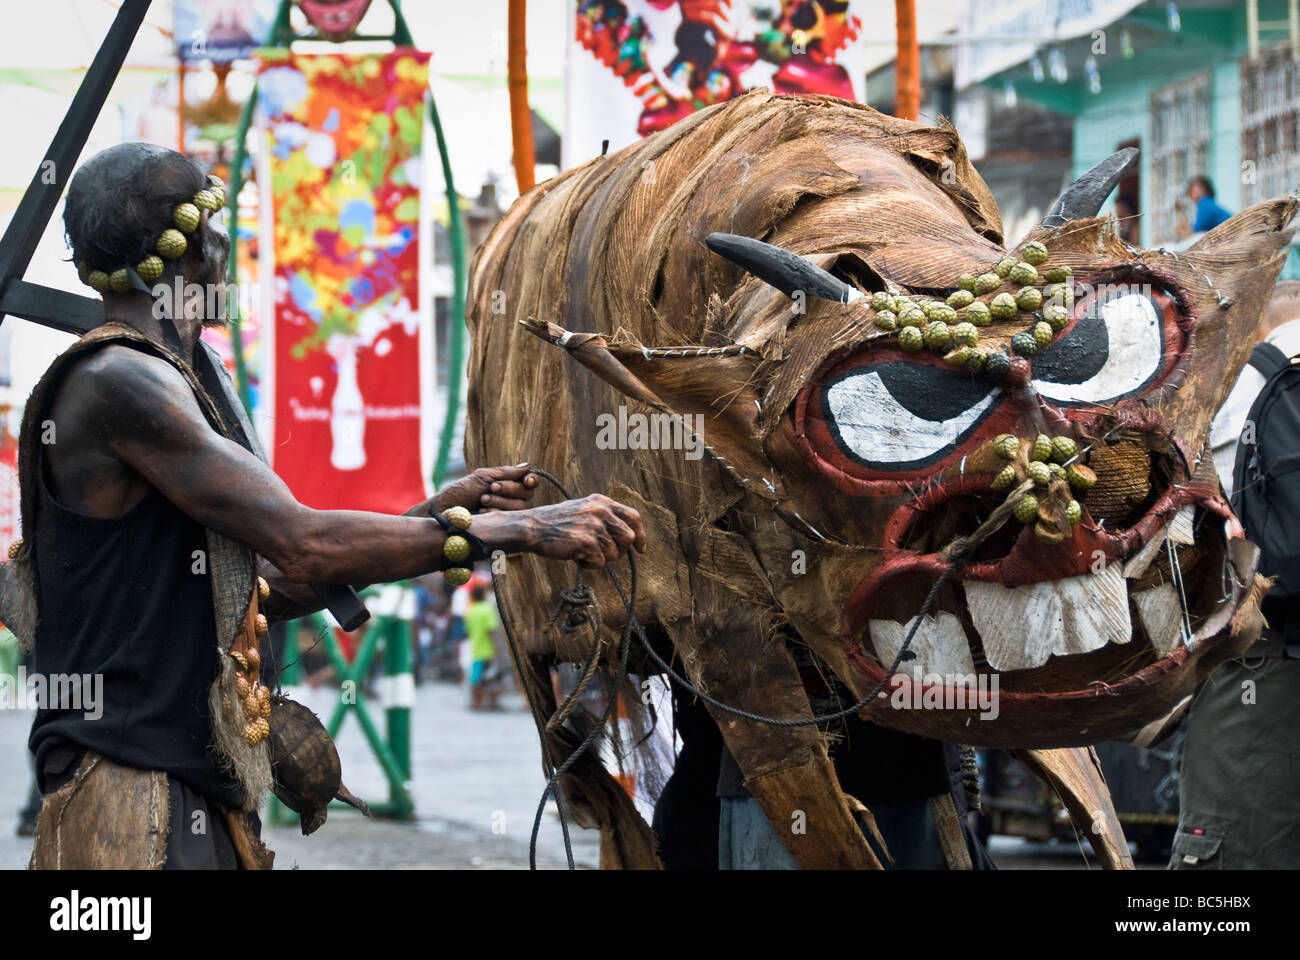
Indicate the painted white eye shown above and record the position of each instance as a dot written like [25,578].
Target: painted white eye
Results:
[896,416]
[1114,350]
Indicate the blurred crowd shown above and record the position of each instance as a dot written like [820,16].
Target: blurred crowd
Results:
[455,637]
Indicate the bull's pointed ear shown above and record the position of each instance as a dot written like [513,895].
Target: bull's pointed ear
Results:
[712,385]
[782,269]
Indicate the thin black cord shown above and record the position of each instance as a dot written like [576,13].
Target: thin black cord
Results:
[632,627]
[903,654]
[548,764]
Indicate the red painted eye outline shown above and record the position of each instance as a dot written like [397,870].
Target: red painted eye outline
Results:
[1123,340]
[870,452]
[880,420]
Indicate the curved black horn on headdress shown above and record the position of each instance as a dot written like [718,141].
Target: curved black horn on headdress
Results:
[782,269]
[1084,197]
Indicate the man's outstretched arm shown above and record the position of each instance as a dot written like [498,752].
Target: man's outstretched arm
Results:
[152,422]
[487,488]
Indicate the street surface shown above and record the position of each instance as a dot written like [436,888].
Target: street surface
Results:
[473,772]
[477,783]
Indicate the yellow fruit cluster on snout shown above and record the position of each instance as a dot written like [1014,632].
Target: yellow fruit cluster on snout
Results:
[1050,463]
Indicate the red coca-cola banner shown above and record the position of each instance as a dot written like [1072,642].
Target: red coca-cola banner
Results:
[350,371]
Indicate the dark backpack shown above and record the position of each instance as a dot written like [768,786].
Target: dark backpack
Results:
[1266,476]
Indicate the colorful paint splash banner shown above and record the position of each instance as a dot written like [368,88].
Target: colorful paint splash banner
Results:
[350,357]
[638,66]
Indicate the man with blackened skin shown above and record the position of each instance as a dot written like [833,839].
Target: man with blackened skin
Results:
[157,543]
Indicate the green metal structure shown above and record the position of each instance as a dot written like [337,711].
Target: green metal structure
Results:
[392,747]
[282,35]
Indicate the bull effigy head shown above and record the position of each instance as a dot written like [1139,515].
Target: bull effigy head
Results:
[884,388]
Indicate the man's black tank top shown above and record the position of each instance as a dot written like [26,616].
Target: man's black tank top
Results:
[121,598]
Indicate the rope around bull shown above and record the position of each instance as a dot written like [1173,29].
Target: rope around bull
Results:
[581,596]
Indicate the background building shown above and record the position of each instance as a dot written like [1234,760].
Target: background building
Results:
[1204,87]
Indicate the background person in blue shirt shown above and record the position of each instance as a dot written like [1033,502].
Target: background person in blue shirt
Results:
[1200,190]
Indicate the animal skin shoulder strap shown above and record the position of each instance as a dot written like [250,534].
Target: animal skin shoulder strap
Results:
[29,438]
[231,565]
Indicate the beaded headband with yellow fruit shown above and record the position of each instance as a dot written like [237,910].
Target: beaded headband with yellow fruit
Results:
[170,245]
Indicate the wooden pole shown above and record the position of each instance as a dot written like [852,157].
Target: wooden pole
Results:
[521,117]
[907,99]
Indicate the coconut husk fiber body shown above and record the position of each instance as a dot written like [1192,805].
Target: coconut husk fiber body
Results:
[597,292]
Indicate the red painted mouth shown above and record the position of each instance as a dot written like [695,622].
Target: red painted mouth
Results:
[988,618]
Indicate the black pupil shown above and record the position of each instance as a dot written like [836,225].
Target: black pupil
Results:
[930,392]
[1080,354]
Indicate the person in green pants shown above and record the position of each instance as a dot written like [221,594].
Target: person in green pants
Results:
[481,624]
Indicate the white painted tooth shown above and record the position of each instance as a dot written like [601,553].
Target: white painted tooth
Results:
[1217,620]
[1021,627]
[940,644]
[1018,626]
[1136,565]
[1180,531]
[1094,611]
[1161,616]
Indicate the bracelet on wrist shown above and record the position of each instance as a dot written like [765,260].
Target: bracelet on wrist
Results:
[459,545]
